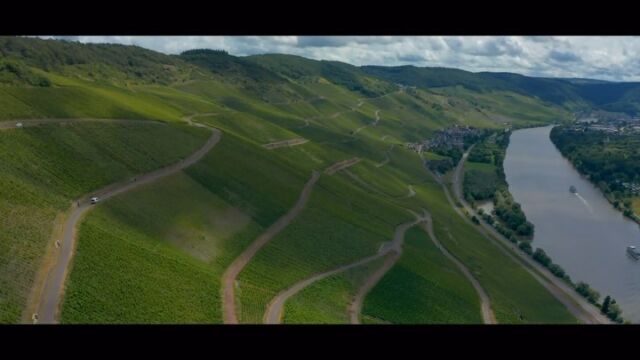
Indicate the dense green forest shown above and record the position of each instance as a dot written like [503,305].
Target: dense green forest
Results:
[610,161]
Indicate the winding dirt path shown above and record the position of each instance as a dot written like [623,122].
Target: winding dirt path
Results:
[374,123]
[230,275]
[283,143]
[307,121]
[387,158]
[395,248]
[577,306]
[232,272]
[53,288]
[341,165]
[411,193]
[189,119]
[275,308]
[488,316]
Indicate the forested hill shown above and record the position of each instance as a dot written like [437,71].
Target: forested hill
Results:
[573,94]
[120,64]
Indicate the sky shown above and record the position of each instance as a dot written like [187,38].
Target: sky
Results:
[613,58]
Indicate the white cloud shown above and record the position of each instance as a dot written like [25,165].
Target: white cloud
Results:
[608,58]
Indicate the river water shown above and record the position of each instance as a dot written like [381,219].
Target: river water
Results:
[581,232]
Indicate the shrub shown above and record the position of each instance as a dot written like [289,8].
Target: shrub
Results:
[557,270]
[587,292]
[526,247]
[540,256]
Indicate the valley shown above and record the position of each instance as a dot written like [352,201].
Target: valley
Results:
[257,189]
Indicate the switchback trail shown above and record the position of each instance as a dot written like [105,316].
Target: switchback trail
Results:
[488,317]
[341,165]
[395,249]
[577,306]
[386,157]
[283,143]
[53,289]
[411,193]
[232,272]
[375,123]
[230,275]
[273,314]
[189,119]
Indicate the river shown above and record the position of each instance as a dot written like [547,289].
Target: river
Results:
[581,232]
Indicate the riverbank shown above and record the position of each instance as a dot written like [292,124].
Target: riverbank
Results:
[581,231]
[484,180]
[609,162]
[578,306]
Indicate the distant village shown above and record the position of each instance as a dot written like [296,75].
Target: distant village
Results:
[449,138]
[610,123]
[614,124]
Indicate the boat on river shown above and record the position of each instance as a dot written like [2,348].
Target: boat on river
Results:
[573,189]
[633,251]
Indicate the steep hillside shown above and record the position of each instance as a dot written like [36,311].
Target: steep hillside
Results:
[571,94]
[42,169]
[109,63]
[160,253]
[346,75]
[548,90]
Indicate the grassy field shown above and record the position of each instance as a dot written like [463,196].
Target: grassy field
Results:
[43,168]
[422,288]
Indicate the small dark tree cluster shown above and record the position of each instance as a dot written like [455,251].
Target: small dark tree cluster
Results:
[526,247]
[540,256]
[587,292]
[611,309]
[511,213]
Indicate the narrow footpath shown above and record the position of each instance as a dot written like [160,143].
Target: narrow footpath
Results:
[53,288]
[273,314]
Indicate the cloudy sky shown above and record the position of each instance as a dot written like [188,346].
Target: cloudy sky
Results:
[607,58]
